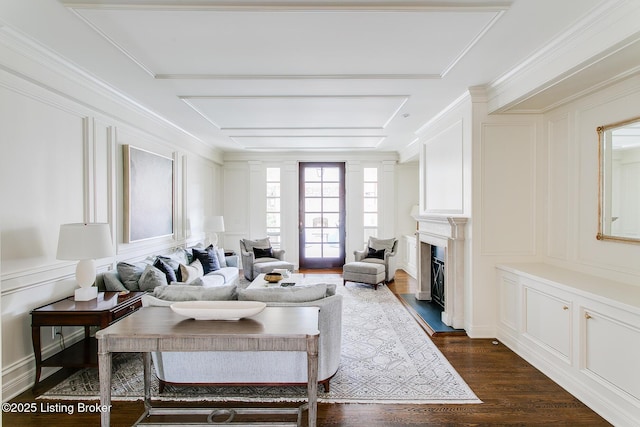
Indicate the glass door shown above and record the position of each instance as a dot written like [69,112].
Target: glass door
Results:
[322,215]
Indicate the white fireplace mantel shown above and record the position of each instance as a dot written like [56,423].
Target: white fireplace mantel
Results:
[448,233]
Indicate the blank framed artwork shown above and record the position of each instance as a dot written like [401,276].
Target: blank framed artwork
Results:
[148,194]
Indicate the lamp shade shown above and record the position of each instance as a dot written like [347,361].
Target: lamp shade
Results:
[84,241]
[214,223]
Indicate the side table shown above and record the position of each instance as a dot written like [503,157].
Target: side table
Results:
[103,311]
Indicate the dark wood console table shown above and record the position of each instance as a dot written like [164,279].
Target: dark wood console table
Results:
[103,311]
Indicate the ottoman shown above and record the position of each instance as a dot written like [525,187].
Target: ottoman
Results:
[363,272]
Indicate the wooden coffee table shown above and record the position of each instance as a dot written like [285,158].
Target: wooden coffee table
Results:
[107,308]
[160,329]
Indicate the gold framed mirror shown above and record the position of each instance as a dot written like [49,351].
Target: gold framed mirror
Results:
[619,181]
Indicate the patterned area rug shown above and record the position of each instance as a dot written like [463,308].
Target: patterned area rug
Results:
[386,358]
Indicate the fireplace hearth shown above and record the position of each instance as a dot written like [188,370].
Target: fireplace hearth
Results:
[447,234]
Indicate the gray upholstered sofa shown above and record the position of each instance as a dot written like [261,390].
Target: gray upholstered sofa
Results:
[208,268]
[264,367]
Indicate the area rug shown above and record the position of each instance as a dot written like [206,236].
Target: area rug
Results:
[386,358]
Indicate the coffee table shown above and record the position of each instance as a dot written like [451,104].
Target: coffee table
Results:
[160,329]
[297,278]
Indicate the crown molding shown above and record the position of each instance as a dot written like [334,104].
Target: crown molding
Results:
[600,33]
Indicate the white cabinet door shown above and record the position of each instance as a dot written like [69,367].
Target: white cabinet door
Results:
[548,322]
[612,350]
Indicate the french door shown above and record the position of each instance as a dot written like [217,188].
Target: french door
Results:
[322,215]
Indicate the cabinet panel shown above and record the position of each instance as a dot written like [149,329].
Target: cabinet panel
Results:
[548,321]
[612,352]
[509,301]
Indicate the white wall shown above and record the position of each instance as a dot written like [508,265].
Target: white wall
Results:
[62,162]
[572,145]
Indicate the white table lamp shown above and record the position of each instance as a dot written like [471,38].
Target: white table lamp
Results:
[214,225]
[86,243]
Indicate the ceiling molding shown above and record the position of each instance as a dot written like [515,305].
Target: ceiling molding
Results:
[291,6]
[297,76]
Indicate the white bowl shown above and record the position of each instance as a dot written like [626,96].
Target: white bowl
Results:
[218,310]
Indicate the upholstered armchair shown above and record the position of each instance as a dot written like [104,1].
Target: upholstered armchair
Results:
[380,251]
[258,256]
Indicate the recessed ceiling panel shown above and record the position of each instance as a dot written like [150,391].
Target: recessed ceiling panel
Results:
[298,112]
[170,41]
[316,143]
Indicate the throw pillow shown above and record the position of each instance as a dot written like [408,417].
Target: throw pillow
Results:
[208,258]
[130,274]
[290,294]
[260,243]
[376,254]
[151,278]
[166,269]
[195,293]
[112,283]
[378,244]
[263,252]
[188,273]
[222,259]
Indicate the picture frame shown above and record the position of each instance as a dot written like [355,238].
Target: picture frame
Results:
[148,181]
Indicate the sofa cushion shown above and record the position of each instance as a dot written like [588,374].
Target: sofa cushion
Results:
[222,259]
[290,294]
[208,258]
[195,293]
[229,274]
[168,270]
[151,278]
[189,273]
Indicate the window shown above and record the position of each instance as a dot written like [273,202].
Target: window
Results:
[370,203]
[273,206]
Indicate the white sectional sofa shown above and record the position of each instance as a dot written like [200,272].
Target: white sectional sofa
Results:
[255,368]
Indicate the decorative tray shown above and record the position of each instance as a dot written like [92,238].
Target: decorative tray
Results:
[218,310]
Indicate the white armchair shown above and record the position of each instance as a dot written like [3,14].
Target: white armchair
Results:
[259,257]
[380,251]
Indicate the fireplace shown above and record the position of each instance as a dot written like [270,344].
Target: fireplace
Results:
[446,234]
[437,275]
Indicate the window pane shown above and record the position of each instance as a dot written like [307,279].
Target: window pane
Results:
[370,189]
[312,174]
[331,174]
[273,205]
[371,205]
[330,251]
[312,204]
[331,204]
[273,174]
[313,235]
[314,190]
[332,235]
[331,189]
[370,220]
[370,174]
[332,219]
[313,251]
[273,189]
[273,220]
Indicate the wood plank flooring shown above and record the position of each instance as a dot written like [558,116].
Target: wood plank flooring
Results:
[513,392]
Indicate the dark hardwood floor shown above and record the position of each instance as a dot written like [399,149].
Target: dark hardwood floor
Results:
[512,391]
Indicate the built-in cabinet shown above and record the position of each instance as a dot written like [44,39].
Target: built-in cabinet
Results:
[580,330]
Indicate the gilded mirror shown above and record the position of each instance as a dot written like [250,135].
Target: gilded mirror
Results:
[619,181]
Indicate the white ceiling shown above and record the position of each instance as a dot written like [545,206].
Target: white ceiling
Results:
[301,75]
